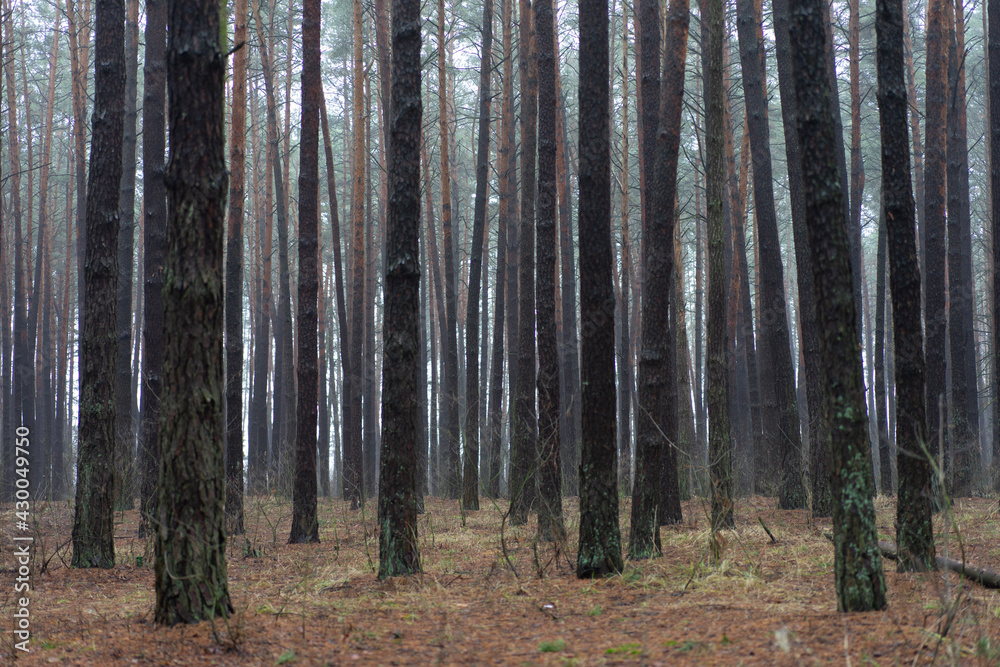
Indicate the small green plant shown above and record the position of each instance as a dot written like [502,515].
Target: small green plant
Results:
[596,611]
[625,649]
[552,647]
[286,657]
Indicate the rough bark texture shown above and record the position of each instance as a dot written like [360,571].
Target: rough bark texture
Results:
[913,513]
[93,529]
[964,406]
[470,475]
[234,280]
[124,448]
[154,249]
[994,139]
[656,455]
[719,455]
[305,526]
[524,441]
[550,518]
[781,420]
[600,551]
[935,315]
[397,509]
[860,583]
[191,580]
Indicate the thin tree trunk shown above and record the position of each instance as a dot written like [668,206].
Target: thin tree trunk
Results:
[884,453]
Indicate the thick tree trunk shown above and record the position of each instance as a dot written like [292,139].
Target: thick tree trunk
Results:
[305,525]
[93,525]
[913,513]
[624,350]
[191,582]
[550,518]
[599,551]
[397,509]
[859,579]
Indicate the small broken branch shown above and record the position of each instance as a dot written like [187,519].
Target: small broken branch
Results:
[767,530]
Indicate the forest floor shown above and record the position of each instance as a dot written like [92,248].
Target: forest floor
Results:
[766,603]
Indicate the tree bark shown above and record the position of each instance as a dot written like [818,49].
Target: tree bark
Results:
[93,525]
[860,583]
[191,582]
[599,551]
[398,550]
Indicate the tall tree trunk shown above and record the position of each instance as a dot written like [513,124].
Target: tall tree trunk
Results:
[656,458]
[450,461]
[569,363]
[234,280]
[550,518]
[124,448]
[79,49]
[398,550]
[93,526]
[470,476]
[781,424]
[524,442]
[859,579]
[994,139]
[624,357]
[819,429]
[190,547]
[154,249]
[913,509]
[305,525]
[965,393]
[599,551]
[918,151]
[719,450]
[512,307]
[934,215]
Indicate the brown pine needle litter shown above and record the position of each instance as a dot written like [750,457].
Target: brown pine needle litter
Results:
[769,599]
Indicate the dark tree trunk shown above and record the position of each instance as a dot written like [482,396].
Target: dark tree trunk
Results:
[859,579]
[600,551]
[470,475]
[450,461]
[550,518]
[524,440]
[93,525]
[234,282]
[347,386]
[964,391]
[154,249]
[781,421]
[124,447]
[819,429]
[191,582]
[305,525]
[913,513]
[935,321]
[656,456]
[397,507]
[719,450]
